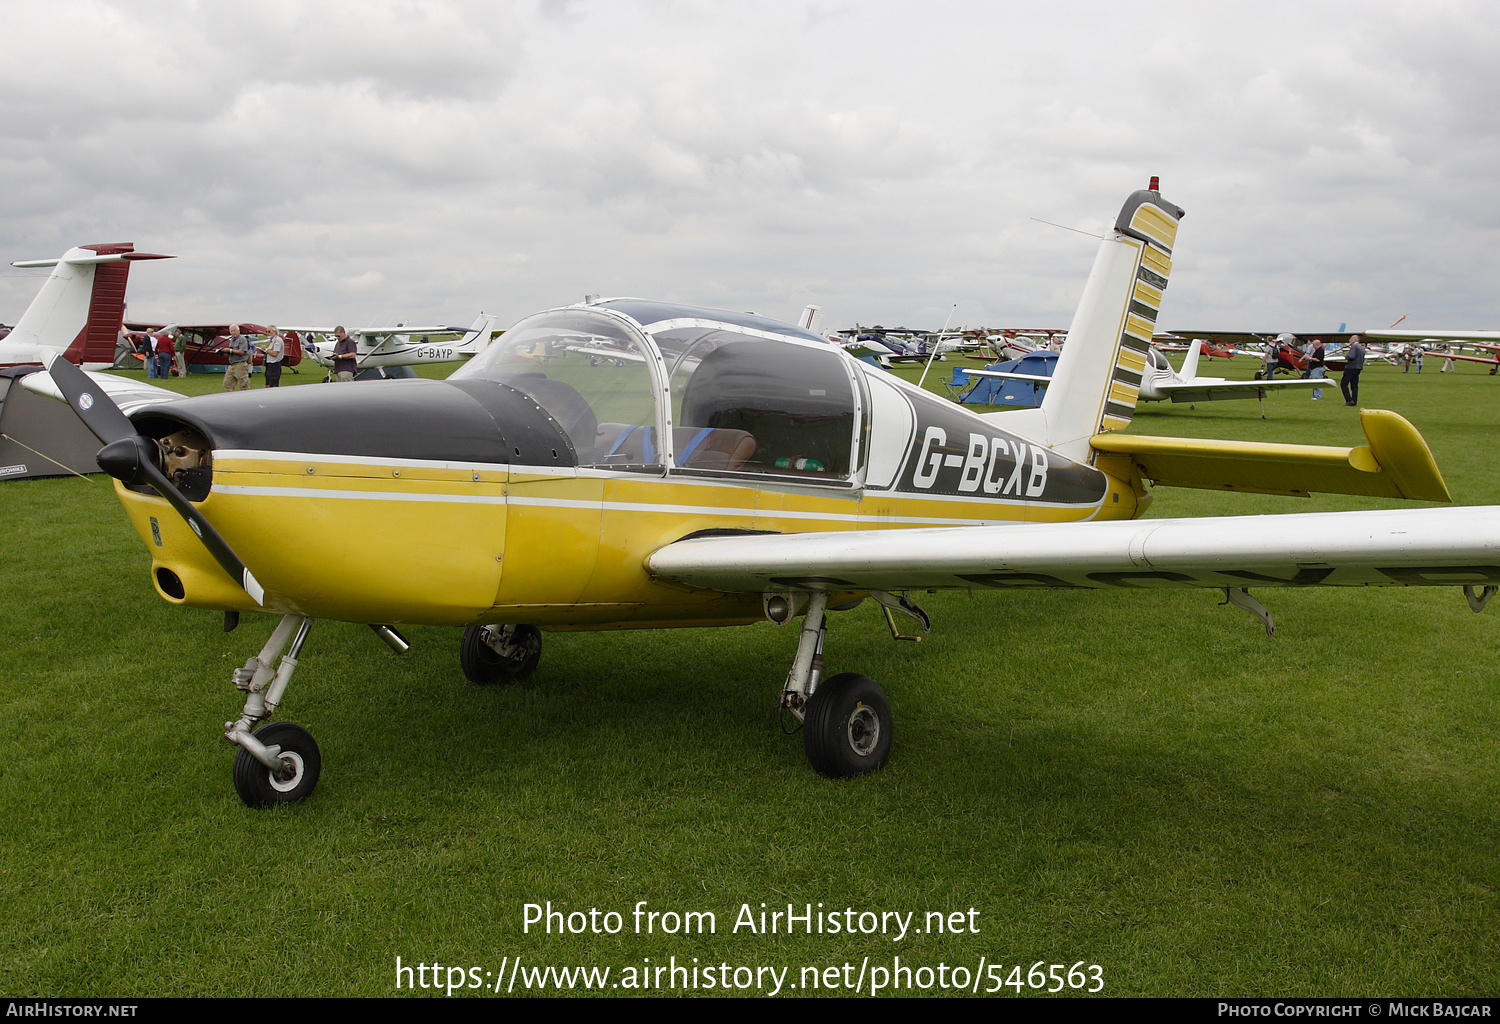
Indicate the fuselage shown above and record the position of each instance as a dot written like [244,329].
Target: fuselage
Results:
[533,485]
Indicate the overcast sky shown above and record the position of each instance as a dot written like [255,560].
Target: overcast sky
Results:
[363,162]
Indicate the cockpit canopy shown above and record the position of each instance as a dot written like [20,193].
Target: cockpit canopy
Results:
[729,393]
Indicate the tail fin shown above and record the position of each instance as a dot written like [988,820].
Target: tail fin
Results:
[1098,376]
[479,334]
[80,307]
[1190,361]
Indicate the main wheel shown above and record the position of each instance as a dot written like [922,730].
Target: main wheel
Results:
[846,729]
[514,656]
[259,786]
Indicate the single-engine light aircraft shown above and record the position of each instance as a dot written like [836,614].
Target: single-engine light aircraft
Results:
[733,469]
[394,346]
[1161,383]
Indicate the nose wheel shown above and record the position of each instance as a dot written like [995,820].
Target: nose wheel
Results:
[301,763]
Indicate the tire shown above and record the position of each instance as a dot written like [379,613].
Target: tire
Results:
[485,666]
[259,787]
[846,730]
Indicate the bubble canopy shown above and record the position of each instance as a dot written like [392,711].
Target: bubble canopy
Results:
[654,387]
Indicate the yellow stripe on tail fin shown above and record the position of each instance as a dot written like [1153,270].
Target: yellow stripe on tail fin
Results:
[1098,377]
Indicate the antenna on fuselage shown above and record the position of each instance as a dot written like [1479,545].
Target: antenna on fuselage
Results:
[936,345]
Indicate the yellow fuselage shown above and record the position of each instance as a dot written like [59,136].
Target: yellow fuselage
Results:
[448,544]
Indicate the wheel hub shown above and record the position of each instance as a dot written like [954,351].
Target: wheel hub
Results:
[863,730]
[286,780]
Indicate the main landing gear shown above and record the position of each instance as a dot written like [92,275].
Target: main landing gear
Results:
[499,653]
[846,720]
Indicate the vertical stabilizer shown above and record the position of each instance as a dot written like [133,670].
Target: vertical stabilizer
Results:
[1190,361]
[1098,375]
[478,337]
[79,308]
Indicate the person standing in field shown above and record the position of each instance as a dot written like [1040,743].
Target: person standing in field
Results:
[275,352]
[345,350]
[237,369]
[1353,364]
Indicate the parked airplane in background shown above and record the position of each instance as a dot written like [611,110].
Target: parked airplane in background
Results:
[205,342]
[1211,349]
[393,346]
[1161,383]
[737,469]
[78,311]
[1485,341]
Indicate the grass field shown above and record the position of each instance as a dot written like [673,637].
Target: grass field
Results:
[1142,781]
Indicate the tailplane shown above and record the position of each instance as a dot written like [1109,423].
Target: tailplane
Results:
[80,308]
[1098,375]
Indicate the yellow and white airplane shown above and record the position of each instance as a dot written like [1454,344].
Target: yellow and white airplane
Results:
[733,469]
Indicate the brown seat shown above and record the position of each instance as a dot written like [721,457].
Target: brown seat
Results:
[625,444]
[712,447]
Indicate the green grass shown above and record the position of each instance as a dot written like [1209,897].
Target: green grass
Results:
[1141,780]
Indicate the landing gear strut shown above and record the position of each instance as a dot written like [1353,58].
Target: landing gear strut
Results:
[278,763]
[846,720]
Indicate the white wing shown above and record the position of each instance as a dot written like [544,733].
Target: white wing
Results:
[1409,547]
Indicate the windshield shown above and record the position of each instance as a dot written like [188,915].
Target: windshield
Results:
[590,373]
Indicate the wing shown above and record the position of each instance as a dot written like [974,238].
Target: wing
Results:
[128,394]
[1005,375]
[1490,336]
[1408,547]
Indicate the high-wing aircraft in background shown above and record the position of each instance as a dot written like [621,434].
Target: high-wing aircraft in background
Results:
[1161,383]
[394,346]
[1486,341]
[79,309]
[206,343]
[737,469]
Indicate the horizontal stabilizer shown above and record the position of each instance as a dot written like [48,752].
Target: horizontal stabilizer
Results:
[81,261]
[1395,464]
[1208,389]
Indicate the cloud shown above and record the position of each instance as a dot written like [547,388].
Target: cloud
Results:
[880,159]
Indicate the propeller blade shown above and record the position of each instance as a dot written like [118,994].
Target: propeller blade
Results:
[97,410]
[131,458]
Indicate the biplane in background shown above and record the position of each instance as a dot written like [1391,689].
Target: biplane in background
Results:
[740,469]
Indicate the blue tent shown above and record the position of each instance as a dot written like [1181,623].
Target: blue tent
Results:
[1024,393]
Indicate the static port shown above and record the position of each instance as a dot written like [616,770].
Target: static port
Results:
[169,584]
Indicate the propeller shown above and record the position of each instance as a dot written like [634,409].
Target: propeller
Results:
[130,457]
